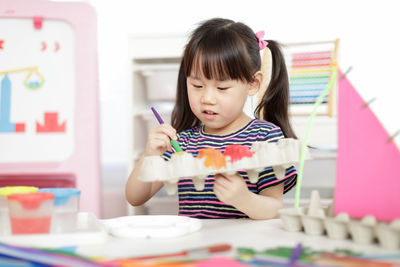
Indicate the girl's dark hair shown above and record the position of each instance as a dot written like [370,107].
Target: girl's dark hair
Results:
[274,104]
[222,49]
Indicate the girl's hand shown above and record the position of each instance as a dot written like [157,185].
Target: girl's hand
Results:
[159,139]
[231,189]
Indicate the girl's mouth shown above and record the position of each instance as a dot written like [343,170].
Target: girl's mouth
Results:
[209,114]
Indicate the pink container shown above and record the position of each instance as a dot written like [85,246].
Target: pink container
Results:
[30,213]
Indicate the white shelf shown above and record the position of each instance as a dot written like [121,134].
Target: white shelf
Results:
[151,56]
[156,66]
[323,134]
[156,47]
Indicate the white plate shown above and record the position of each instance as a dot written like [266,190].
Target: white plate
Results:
[151,226]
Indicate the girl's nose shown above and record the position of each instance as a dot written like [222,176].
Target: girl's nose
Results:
[208,96]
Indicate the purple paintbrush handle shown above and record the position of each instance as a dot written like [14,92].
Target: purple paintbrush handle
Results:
[160,120]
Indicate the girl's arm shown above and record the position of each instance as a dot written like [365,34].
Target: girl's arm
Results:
[138,192]
[232,190]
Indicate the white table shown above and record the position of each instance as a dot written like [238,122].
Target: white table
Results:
[259,235]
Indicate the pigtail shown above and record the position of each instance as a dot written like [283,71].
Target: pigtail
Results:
[182,117]
[274,103]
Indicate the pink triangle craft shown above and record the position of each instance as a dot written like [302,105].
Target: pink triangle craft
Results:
[367,177]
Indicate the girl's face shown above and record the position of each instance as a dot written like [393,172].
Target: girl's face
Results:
[219,104]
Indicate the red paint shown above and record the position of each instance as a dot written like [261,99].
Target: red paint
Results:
[57,46]
[31,201]
[20,127]
[237,152]
[37,22]
[43,46]
[1,44]
[50,124]
[30,225]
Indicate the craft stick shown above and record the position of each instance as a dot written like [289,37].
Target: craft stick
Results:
[160,120]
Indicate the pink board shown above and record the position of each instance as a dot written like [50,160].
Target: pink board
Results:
[367,177]
[39,161]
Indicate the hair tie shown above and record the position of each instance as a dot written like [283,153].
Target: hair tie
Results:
[261,43]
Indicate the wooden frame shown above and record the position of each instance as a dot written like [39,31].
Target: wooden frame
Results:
[266,68]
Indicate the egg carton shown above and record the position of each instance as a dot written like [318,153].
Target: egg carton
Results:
[209,161]
[315,220]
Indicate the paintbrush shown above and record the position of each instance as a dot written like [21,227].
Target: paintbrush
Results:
[187,253]
[161,121]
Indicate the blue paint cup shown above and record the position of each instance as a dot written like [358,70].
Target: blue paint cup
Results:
[66,208]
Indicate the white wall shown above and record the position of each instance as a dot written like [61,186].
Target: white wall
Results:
[367,30]
[369,43]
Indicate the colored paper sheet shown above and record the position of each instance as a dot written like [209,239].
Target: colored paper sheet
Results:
[220,262]
[367,177]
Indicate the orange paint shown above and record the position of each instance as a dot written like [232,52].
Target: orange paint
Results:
[237,152]
[214,158]
[39,225]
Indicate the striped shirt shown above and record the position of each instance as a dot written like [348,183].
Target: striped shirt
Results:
[205,204]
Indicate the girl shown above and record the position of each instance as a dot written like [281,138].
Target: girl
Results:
[220,67]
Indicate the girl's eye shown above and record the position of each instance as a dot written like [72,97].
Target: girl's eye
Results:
[223,88]
[196,86]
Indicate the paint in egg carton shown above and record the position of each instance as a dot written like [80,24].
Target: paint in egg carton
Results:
[315,220]
[279,155]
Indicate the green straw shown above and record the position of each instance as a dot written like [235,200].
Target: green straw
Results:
[308,130]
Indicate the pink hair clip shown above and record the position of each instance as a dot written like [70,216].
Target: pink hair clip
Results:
[261,43]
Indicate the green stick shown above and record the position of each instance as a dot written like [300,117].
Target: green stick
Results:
[318,102]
